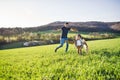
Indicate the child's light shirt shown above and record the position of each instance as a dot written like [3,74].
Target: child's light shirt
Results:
[79,42]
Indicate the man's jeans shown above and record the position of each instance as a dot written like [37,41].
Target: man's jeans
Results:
[62,41]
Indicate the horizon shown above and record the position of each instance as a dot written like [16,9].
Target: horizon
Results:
[58,21]
[35,13]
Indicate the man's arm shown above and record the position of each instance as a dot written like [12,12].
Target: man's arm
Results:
[73,29]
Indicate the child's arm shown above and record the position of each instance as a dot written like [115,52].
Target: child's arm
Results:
[85,42]
[75,43]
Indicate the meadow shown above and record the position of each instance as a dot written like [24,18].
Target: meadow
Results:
[17,41]
[42,63]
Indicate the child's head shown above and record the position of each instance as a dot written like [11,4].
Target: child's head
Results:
[78,36]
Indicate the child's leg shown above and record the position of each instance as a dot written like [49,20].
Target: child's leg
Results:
[78,47]
[80,51]
[87,49]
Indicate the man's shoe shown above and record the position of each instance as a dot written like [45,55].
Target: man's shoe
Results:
[55,50]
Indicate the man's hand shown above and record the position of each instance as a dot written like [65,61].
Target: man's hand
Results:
[74,29]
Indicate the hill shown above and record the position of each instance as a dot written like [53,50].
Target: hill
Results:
[42,63]
[92,26]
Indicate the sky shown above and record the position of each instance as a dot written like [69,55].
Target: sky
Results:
[30,13]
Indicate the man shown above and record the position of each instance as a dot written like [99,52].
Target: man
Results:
[64,38]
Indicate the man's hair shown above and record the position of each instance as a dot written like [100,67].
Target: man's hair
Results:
[66,23]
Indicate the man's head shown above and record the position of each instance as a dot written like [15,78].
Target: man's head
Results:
[66,24]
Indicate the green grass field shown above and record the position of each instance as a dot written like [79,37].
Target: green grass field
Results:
[42,63]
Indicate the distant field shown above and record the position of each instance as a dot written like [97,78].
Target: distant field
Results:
[16,41]
[73,33]
[42,63]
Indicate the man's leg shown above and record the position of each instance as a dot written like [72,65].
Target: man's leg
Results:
[61,44]
[67,45]
[58,47]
